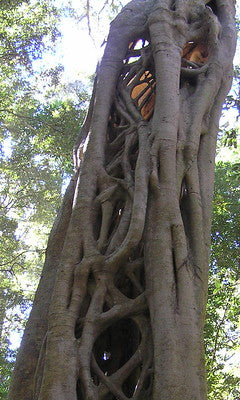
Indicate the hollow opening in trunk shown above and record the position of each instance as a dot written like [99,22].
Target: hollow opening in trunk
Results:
[116,345]
[213,5]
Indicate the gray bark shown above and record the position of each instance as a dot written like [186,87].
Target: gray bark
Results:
[123,293]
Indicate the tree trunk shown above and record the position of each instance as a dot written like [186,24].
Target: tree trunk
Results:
[119,312]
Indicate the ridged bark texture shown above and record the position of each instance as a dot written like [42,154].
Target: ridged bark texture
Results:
[119,313]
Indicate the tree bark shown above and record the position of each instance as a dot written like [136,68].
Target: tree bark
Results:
[120,310]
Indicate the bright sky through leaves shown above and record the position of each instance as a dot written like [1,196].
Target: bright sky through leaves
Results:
[77,51]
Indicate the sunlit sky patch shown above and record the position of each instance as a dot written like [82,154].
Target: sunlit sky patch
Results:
[79,52]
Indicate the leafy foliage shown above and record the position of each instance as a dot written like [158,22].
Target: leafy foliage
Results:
[24,26]
[222,327]
[41,138]
[36,140]
[27,28]
[30,193]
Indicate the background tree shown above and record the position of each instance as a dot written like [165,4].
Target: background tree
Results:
[222,327]
[31,182]
[31,175]
[22,30]
[106,299]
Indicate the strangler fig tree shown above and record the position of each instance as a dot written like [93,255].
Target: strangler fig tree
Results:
[119,311]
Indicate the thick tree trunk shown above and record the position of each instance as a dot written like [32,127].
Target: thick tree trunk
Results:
[127,261]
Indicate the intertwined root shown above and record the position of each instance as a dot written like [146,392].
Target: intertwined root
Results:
[113,328]
[131,288]
[114,311]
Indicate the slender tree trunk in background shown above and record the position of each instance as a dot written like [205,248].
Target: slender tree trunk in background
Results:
[119,312]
